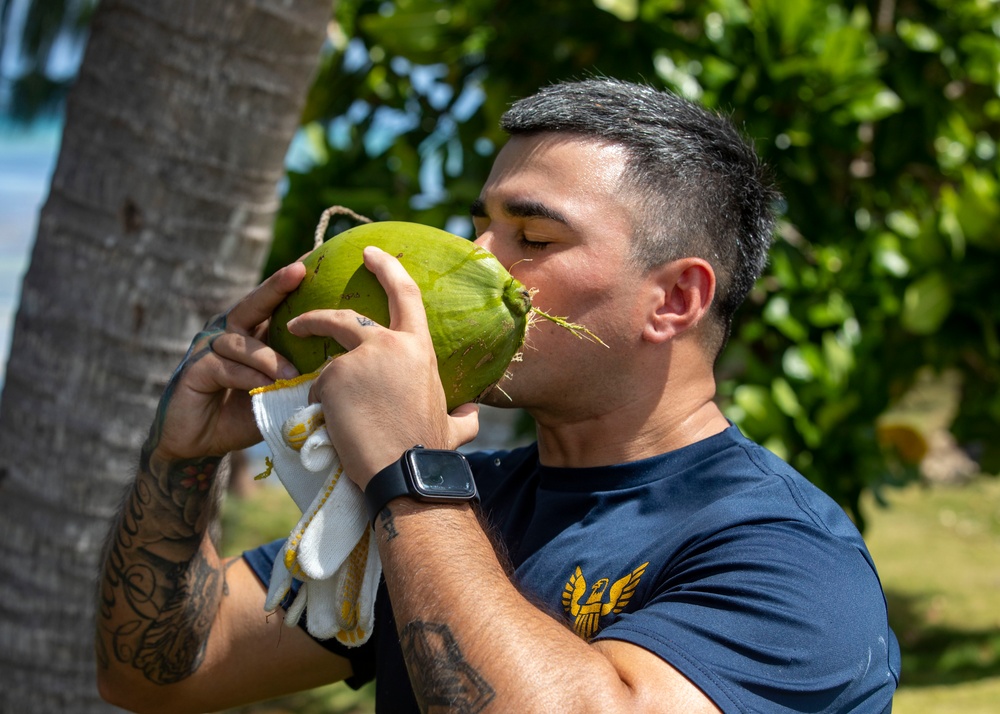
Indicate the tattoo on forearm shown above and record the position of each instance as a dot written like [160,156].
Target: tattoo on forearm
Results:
[366,321]
[388,523]
[174,640]
[158,593]
[439,673]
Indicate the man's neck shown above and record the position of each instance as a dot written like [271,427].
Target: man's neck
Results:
[630,432]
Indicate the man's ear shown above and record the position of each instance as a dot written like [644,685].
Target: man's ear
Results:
[682,294]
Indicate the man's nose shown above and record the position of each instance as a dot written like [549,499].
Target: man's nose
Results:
[485,240]
[498,248]
[488,241]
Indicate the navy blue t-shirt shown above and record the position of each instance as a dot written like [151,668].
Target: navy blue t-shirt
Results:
[718,557]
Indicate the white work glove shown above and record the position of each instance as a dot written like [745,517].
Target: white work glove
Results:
[332,548]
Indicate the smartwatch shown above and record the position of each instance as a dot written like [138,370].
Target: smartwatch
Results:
[428,475]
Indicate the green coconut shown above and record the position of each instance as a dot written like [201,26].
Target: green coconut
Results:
[477,312]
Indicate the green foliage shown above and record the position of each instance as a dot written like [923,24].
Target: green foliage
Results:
[881,136]
[879,119]
[36,86]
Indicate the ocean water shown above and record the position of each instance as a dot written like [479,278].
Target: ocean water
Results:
[27,158]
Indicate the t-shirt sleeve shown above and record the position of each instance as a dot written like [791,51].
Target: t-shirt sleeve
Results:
[362,658]
[740,613]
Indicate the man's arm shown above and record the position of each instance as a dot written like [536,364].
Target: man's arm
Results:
[162,579]
[178,629]
[471,641]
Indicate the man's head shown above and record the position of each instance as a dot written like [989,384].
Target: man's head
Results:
[695,187]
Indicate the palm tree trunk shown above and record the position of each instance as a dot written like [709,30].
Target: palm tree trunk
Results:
[159,215]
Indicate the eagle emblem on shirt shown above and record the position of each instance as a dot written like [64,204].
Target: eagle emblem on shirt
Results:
[587,605]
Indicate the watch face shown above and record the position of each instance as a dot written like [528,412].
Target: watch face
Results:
[441,473]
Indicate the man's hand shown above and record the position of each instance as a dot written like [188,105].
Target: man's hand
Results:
[172,618]
[205,409]
[384,395]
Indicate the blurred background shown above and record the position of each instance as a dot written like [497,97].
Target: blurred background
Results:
[868,355]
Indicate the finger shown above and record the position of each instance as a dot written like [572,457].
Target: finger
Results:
[347,327]
[406,308]
[237,378]
[253,354]
[285,369]
[464,424]
[257,307]
[208,373]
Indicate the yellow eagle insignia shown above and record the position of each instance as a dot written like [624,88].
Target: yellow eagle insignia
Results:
[587,614]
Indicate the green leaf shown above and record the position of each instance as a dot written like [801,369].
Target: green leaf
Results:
[849,53]
[926,303]
[790,17]
[904,223]
[838,356]
[887,255]
[919,37]
[777,313]
[624,10]
[833,311]
[975,205]
[753,410]
[796,362]
[873,102]
[421,30]
[833,413]
[785,398]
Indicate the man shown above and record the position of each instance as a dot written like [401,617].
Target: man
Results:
[642,556]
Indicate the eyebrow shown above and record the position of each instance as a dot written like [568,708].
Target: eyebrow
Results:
[519,208]
[477,209]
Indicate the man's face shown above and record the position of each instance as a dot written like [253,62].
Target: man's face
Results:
[552,213]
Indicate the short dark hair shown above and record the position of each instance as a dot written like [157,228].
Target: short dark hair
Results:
[702,190]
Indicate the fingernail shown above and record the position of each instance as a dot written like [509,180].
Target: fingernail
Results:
[287,372]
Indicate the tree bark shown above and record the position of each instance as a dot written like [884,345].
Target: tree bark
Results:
[159,216]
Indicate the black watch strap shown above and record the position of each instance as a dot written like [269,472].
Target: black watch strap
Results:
[389,483]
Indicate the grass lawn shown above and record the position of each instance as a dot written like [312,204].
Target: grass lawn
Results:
[937,551]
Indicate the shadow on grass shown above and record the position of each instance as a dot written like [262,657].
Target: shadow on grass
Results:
[935,655]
